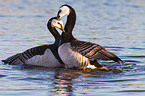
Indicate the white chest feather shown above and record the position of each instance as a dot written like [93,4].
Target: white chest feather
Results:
[72,58]
[46,60]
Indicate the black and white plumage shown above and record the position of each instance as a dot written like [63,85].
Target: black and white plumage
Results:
[80,54]
[45,55]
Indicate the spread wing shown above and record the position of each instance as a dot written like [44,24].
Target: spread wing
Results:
[20,58]
[93,51]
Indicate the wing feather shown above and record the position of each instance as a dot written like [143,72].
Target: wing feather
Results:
[93,51]
[22,57]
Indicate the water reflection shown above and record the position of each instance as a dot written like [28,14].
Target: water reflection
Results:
[118,25]
[64,81]
[67,81]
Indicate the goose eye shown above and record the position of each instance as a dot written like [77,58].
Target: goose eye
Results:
[58,23]
[60,26]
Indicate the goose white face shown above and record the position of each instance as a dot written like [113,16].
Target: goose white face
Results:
[57,23]
[64,11]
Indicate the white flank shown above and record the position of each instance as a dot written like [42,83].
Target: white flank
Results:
[46,60]
[72,58]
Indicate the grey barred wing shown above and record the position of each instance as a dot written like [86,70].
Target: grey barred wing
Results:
[39,50]
[20,58]
[93,51]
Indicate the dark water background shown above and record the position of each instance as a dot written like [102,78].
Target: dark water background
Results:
[118,25]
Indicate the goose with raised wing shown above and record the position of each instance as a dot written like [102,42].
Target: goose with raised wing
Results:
[45,55]
[80,54]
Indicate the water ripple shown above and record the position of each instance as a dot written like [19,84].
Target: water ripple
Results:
[118,25]
[27,16]
[137,90]
[1,76]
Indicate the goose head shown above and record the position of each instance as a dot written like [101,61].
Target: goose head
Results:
[64,11]
[67,10]
[56,22]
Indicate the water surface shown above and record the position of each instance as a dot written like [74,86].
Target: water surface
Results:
[118,25]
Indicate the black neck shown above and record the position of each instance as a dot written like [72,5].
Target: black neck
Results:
[54,47]
[71,20]
[70,23]
[54,32]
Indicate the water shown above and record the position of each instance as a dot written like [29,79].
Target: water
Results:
[118,25]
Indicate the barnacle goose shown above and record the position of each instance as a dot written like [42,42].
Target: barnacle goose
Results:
[80,54]
[45,55]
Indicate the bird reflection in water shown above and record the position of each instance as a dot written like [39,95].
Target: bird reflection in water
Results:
[63,81]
